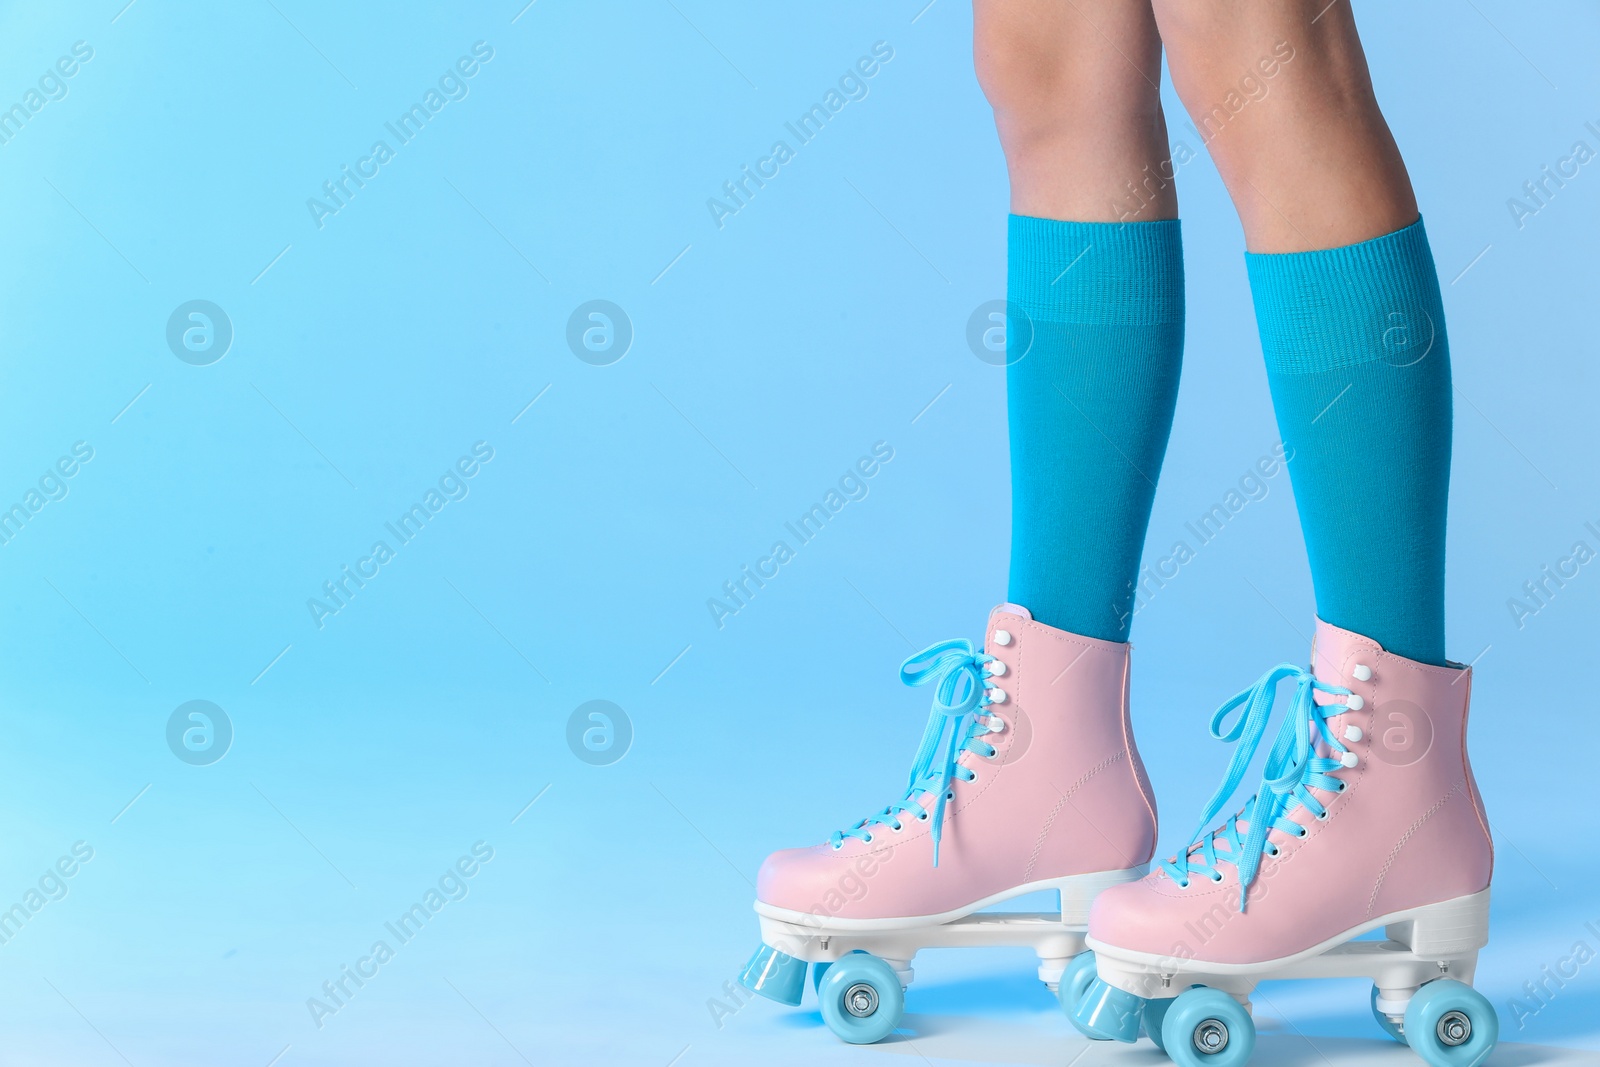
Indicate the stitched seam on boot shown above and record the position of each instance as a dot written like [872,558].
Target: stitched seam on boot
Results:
[1038,844]
[1141,780]
[1394,853]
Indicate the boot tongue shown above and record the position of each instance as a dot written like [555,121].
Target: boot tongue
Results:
[927,800]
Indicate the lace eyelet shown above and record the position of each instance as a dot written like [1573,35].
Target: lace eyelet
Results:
[950,795]
[1217,877]
[1324,816]
[1302,833]
[897,827]
[1275,850]
[1342,786]
[838,846]
[923,817]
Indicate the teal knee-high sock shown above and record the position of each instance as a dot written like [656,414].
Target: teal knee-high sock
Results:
[1090,408]
[1359,367]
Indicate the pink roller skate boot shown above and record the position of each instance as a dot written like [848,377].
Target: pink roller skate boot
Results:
[1027,779]
[1366,816]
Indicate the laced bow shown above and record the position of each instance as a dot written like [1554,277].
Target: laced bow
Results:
[956,672]
[1293,767]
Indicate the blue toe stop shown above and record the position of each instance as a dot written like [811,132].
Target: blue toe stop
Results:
[775,975]
[1109,1011]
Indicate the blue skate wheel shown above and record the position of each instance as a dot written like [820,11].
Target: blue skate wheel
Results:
[817,971]
[1387,1024]
[861,998]
[1450,1024]
[775,975]
[1155,1012]
[1075,982]
[1207,1028]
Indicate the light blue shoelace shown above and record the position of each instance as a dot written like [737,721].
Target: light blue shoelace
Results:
[1292,769]
[959,697]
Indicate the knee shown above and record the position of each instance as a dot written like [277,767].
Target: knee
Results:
[1043,89]
[1226,60]
[1017,75]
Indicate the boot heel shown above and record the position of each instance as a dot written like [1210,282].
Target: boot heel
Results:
[1079,890]
[1446,930]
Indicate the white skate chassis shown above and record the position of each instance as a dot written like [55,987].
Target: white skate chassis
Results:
[1198,1011]
[1436,941]
[1056,937]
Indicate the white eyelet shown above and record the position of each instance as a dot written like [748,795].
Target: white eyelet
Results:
[1002,638]
[1349,759]
[1361,672]
[974,777]
[996,724]
[897,828]
[1354,702]
[923,817]
[868,839]
[996,696]
[996,668]
[1324,816]
[1353,733]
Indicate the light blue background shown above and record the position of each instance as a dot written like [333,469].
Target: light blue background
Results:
[769,354]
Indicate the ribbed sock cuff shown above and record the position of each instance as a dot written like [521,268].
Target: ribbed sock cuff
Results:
[1106,273]
[1338,307]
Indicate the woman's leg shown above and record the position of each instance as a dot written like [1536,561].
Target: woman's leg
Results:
[1074,91]
[1027,777]
[1281,96]
[1366,814]
[1096,265]
[1347,300]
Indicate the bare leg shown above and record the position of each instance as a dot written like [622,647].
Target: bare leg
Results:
[1281,95]
[1074,86]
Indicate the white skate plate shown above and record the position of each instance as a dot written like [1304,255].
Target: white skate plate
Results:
[1435,941]
[1056,937]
